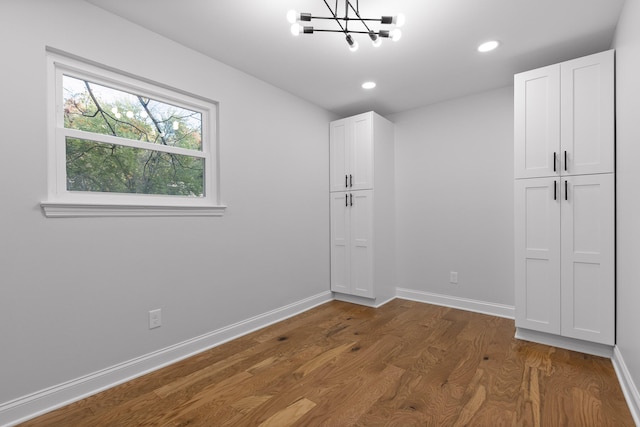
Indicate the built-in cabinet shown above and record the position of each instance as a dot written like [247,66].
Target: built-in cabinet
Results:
[565,256]
[351,151]
[564,118]
[362,205]
[351,238]
[564,199]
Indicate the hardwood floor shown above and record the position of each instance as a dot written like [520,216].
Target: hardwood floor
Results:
[404,364]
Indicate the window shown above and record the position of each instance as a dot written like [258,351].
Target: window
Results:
[124,146]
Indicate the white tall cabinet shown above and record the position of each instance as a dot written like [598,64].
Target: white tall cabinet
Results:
[362,204]
[564,201]
[351,153]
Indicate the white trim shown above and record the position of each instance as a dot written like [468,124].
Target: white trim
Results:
[81,204]
[78,210]
[484,307]
[69,59]
[41,402]
[124,142]
[573,344]
[355,299]
[629,388]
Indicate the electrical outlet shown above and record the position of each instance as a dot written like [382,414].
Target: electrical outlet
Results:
[155,318]
[453,277]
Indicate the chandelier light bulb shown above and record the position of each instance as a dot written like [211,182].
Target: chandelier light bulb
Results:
[396,35]
[375,39]
[353,45]
[292,16]
[399,20]
[296,29]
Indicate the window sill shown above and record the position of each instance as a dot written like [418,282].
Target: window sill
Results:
[79,210]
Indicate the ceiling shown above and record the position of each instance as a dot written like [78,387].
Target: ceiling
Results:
[435,60]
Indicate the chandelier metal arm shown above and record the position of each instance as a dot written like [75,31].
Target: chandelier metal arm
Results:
[335,17]
[381,33]
[344,21]
[358,15]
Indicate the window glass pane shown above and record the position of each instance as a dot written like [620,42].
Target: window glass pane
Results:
[99,167]
[96,108]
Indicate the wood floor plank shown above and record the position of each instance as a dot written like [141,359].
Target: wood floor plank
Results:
[200,375]
[354,399]
[321,360]
[405,363]
[327,381]
[472,406]
[249,403]
[289,415]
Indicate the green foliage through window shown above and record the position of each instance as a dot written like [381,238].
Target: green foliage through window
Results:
[98,166]
[95,166]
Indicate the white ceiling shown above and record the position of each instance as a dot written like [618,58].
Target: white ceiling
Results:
[435,60]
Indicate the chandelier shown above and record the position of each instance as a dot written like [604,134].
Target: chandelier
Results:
[345,24]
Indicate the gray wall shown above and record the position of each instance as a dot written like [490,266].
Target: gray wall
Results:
[454,181]
[627,45]
[75,293]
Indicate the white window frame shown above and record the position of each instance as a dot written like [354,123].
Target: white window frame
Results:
[64,203]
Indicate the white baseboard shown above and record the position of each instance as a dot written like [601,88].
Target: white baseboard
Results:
[369,302]
[483,307]
[43,401]
[572,344]
[629,388]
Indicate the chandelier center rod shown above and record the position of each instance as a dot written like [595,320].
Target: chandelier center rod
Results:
[335,17]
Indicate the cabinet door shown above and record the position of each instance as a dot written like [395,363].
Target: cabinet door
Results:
[361,154]
[537,254]
[340,243]
[537,122]
[339,155]
[588,281]
[587,111]
[361,243]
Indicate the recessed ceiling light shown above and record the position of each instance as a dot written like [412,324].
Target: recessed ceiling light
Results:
[368,85]
[488,46]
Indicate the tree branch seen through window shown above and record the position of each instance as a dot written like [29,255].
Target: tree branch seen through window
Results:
[96,166]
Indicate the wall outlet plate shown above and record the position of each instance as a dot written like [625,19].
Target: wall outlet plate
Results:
[453,277]
[155,319]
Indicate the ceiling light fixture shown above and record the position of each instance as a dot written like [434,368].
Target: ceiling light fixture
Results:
[488,46]
[376,37]
[368,85]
